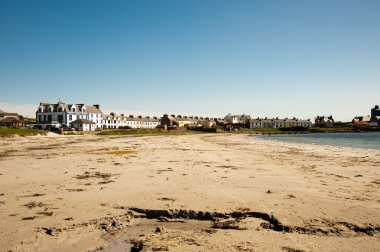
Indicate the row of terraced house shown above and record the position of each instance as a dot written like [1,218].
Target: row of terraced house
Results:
[90,117]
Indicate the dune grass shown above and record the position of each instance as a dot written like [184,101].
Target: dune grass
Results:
[9,132]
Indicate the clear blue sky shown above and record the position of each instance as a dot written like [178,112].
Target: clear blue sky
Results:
[264,58]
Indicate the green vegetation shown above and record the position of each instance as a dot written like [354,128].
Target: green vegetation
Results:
[119,152]
[29,120]
[9,132]
[138,132]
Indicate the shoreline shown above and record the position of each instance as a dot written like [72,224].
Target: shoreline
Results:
[231,191]
[338,142]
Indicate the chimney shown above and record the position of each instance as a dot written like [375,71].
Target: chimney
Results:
[97,106]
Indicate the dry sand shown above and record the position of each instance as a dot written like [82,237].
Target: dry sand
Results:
[186,193]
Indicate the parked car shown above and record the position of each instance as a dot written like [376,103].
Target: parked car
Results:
[37,127]
[52,128]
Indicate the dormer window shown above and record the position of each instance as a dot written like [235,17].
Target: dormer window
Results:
[59,109]
[50,110]
[73,109]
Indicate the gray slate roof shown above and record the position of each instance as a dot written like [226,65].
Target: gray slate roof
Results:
[68,107]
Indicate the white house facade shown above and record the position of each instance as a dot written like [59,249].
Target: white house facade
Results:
[237,119]
[114,121]
[63,114]
[83,125]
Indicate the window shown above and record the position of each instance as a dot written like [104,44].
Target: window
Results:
[50,118]
[60,118]
[70,117]
[59,109]
[73,109]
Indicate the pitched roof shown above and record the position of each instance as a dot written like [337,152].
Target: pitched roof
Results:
[67,107]
[1,111]
[93,109]
[82,121]
[10,120]
[3,114]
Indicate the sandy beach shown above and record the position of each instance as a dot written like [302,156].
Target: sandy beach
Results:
[202,192]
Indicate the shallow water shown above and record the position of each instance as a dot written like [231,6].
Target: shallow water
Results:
[370,140]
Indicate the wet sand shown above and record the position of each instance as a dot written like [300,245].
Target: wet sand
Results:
[223,192]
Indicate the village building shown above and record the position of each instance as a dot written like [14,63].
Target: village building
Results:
[237,119]
[11,122]
[361,120]
[278,123]
[63,114]
[372,120]
[114,121]
[6,115]
[207,123]
[375,111]
[83,125]
[185,122]
[222,123]
[151,123]
[324,122]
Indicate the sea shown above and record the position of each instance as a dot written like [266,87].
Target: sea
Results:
[368,140]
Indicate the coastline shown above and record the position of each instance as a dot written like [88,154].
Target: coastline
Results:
[362,140]
[315,192]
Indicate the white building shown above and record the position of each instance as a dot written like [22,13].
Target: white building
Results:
[237,119]
[83,125]
[114,121]
[278,123]
[63,114]
[151,123]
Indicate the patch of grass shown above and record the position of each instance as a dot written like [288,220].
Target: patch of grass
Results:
[131,132]
[120,152]
[9,132]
